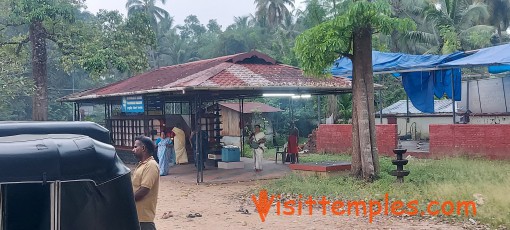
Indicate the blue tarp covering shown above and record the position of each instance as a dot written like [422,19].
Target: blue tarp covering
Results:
[492,56]
[419,83]
[499,68]
[395,62]
[422,86]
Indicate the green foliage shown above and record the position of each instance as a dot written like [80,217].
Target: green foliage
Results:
[16,86]
[345,108]
[192,28]
[314,13]
[26,11]
[113,43]
[457,25]
[394,91]
[477,37]
[318,47]
[13,73]
[451,42]
[213,27]
[100,45]
[57,17]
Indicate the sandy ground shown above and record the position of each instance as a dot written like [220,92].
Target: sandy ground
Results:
[218,205]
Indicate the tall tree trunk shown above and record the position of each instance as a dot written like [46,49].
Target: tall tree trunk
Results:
[356,169]
[369,80]
[363,106]
[37,36]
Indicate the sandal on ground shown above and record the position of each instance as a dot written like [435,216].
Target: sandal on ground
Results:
[198,215]
[167,215]
[190,215]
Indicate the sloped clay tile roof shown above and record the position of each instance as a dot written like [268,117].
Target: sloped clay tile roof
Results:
[252,69]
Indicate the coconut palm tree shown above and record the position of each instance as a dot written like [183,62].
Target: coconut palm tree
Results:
[273,12]
[315,12]
[148,7]
[166,33]
[242,22]
[445,25]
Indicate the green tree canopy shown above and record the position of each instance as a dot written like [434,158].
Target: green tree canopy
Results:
[318,47]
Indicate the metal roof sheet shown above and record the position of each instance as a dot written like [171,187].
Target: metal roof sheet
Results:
[400,107]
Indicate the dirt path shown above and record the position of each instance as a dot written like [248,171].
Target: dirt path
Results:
[218,205]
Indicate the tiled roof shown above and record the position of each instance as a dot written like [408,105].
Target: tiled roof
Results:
[252,107]
[252,70]
[400,107]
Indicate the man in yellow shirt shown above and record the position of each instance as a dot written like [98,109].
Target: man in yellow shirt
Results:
[145,180]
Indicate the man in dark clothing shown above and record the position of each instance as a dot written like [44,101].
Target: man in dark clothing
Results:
[204,143]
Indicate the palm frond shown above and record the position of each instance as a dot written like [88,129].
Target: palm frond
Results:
[130,3]
[475,14]
[479,29]
[420,37]
[477,37]
[438,17]
[160,13]
[414,6]
[433,50]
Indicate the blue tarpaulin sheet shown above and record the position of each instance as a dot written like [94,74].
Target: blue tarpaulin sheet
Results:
[492,56]
[499,68]
[395,62]
[421,87]
[421,82]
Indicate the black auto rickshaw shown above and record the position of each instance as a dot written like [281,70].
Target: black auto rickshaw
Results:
[54,178]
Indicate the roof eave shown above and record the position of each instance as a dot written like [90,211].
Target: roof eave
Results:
[300,89]
[95,96]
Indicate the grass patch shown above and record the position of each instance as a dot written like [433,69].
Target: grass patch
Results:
[453,179]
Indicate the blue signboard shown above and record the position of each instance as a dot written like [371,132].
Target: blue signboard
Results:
[132,104]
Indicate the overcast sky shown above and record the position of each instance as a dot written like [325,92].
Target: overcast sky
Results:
[221,10]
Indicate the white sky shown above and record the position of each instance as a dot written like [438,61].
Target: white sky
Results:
[221,10]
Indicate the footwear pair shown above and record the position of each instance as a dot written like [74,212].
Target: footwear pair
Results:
[243,211]
[191,215]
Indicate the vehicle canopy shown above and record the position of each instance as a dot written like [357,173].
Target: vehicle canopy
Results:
[90,129]
[63,181]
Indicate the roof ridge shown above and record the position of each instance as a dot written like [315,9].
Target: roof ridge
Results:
[227,57]
[194,62]
[196,78]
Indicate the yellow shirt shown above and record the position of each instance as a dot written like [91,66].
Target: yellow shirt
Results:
[146,175]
